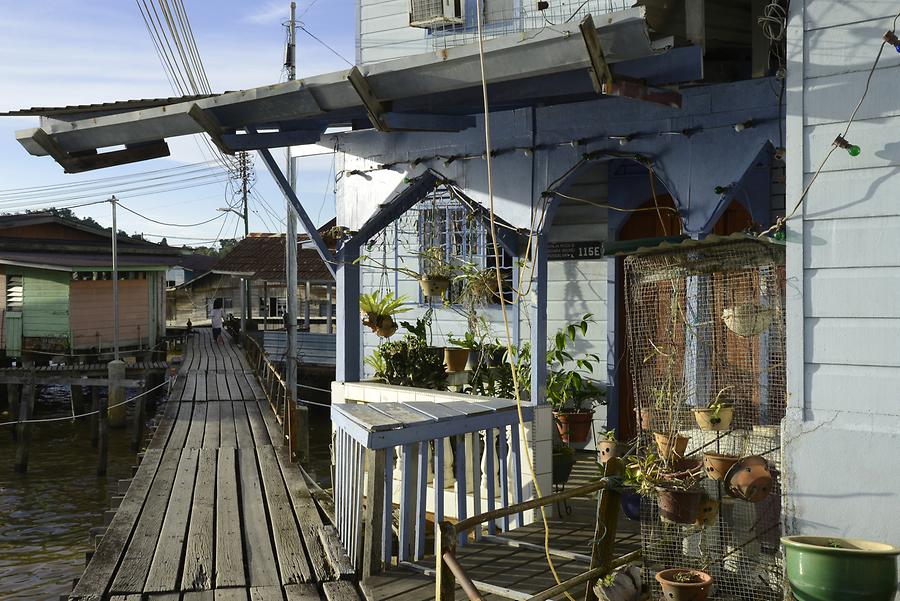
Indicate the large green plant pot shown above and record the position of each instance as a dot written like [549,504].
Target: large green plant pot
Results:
[840,569]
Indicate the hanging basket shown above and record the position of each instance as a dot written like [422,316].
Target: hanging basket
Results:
[681,584]
[434,286]
[607,449]
[711,420]
[667,447]
[747,319]
[384,326]
[717,465]
[749,479]
[678,506]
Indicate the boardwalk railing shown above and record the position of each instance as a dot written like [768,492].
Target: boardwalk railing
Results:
[447,459]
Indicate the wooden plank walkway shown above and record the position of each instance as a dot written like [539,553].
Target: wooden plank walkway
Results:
[516,571]
[216,511]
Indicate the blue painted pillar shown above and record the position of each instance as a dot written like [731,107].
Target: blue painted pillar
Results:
[349,332]
[539,324]
[615,337]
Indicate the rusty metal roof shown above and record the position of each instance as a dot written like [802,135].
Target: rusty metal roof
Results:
[263,256]
[101,107]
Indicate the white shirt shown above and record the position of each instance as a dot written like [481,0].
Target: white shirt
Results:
[216,316]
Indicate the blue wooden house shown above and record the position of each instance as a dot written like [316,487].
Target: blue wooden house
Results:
[663,120]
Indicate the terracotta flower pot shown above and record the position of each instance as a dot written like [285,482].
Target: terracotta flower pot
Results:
[749,479]
[384,326]
[708,420]
[573,426]
[694,588]
[645,414]
[607,449]
[678,506]
[707,512]
[433,286]
[455,359]
[667,447]
[717,465]
[747,319]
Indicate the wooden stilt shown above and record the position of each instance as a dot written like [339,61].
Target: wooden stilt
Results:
[26,406]
[95,419]
[14,393]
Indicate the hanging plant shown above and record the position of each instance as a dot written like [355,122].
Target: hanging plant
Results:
[717,416]
[379,309]
[748,319]
[437,271]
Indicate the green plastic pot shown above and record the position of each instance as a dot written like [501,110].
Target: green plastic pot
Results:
[823,568]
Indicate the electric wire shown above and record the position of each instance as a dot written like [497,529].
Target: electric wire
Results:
[303,28]
[150,219]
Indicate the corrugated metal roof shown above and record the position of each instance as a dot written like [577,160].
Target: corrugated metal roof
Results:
[75,261]
[110,107]
[263,256]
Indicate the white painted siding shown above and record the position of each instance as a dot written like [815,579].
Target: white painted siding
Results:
[843,275]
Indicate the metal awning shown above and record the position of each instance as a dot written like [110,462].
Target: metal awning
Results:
[437,91]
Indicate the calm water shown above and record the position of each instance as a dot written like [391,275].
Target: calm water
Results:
[46,514]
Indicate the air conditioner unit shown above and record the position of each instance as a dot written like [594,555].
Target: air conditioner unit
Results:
[431,14]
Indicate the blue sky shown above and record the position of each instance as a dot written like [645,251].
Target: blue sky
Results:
[56,52]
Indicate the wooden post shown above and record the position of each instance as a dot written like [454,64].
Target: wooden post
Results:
[137,427]
[118,413]
[605,527]
[26,405]
[301,432]
[116,396]
[95,419]
[373,545]
[14,393]
[77,393]
[444,542]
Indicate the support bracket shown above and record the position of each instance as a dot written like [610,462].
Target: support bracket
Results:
[211,126]
[374,108]
[90,159]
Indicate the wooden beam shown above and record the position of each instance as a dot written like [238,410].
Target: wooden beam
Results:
[211,126]
[639,91]
[278,139]
[374,108]
[601,76]
[89,160]
[427,122]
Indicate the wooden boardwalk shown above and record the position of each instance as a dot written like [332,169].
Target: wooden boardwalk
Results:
[216,512]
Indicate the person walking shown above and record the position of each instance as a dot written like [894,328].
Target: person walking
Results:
[217,315]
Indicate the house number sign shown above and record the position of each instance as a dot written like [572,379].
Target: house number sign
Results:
[575,251]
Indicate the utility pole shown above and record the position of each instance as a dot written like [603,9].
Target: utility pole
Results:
[115,278]
[246,311]
[290,369]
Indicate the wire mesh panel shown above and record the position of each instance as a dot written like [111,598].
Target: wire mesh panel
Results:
[706,339]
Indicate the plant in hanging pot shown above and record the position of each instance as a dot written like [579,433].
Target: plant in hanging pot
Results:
[684,584]
[379,309]
[437,271]
[748,319]
[675,486]
[718,415]
[409,362]
[563,461]
[571,394]
[608,447]
[829,568]
[671,445]
[717,465]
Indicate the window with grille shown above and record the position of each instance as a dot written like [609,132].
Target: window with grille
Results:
[15,292]
[462,236]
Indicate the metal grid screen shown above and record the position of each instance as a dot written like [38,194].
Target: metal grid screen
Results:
[705,324]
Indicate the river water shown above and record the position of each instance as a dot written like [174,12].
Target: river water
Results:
[46,515]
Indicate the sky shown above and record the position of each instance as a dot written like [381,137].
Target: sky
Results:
[62,52]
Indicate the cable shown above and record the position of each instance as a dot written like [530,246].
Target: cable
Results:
[133,212]
[497,263]
[316,38]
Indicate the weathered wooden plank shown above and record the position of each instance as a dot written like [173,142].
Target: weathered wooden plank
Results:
[229,540]
[255,388]
[198,555]
[226,421]
[132,573]
[190,387]
[242,425]
[310,521]
[301,592]
[368,417]
[200,384]
[258,550]
[166,565]
[212,387]
[198,425]
[276,434]
[340,591]
[100,570]
[266,593]
[177,391]
[232,594]
[438,411]
[244,381]
[222,386]
[292,561]
[211,433]
[234,390]
[258,425]
[182,423]
[199,596]
[161,436]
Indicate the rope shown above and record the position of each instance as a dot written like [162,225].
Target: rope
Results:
[90,413]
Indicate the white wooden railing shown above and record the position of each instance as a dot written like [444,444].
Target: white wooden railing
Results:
[453,456]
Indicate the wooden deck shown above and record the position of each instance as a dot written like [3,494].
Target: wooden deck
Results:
[516,572]
[216,511]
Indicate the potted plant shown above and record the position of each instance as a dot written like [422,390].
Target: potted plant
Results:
[409,362]
[473,349]
[380,308]
[563,461]
[717,415]
[684,584]
[848,569]
[750,479]
[437,272]
[608,446]
[456,358]
[748,319]
[717,465]
[675,486]
[569,392]
[671,445]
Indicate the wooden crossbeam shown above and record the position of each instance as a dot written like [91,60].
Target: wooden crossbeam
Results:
[208,122]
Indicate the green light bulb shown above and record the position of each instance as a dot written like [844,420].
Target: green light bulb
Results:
[854,150]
